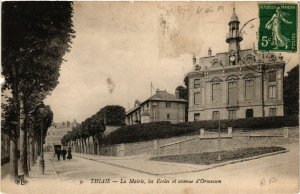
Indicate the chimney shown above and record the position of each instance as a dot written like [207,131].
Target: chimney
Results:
[209,51]
[194,60]
[177,94]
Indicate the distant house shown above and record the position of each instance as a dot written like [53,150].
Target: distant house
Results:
[56,132]
[162,106]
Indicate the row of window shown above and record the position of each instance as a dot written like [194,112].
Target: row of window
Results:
[168,105]
[233,92]
[232,114]
[271,78]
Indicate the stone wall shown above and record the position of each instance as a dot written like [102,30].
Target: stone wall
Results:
[204,142]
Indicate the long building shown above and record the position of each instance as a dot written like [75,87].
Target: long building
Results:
[56,132]
[236,83]
[162,106]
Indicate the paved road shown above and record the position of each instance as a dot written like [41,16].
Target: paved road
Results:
[83,169]
[273,174]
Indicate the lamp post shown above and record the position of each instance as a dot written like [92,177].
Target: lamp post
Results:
[42,161]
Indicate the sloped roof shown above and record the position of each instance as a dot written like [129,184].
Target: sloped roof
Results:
[164,96]
[159,96]
[234,17]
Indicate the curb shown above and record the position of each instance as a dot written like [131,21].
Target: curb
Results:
[232,162]
[208,168]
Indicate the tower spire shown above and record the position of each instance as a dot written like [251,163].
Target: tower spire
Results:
[233,8]
[234,37]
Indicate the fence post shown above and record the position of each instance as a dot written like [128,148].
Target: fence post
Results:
[286,132]
[155,144]
[202,131]
[229,131]
[122,146]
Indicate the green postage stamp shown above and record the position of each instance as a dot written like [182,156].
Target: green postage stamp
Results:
[278,27]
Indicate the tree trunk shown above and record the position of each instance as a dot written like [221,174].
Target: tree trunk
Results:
[14,139]
[97,146]
[88,146]
[32,151]
[29,152]
[94,151]
[13,159]
[84,146]
[35,150]
[23,138]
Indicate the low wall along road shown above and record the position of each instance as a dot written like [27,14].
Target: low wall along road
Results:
[203,141]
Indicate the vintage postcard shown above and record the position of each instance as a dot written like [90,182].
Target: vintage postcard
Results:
[149,97]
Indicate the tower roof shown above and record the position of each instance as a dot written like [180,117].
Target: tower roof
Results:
[234,17]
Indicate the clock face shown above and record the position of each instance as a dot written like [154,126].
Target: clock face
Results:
[232,58]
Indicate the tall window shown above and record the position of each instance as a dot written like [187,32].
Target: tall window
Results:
[197,83]
[197,117]
[249,89]
[168,104]
[216,115]
[232,114]
[272,91]
[216,92]
[272,112]
[197,98]
[232,93]
[168,116]
[272,76]
[249,113]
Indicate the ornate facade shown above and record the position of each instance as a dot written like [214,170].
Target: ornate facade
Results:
[237,83]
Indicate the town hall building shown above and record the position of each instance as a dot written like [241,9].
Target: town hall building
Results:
[236,83]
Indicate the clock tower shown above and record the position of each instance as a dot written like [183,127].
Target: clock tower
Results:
[233,38]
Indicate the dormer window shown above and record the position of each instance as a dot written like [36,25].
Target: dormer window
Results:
[215,63]
[197,83]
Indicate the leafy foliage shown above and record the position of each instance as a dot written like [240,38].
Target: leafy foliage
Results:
[113,115]
[95,125]
[158,130]
[291,92]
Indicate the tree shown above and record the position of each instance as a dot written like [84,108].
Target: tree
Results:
[9,123]
[113,115]
[291,92]
[184,94]
[35,37]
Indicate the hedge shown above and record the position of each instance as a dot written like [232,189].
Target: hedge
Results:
[159,130]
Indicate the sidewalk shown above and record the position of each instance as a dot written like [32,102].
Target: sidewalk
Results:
[141,163]
[50,170]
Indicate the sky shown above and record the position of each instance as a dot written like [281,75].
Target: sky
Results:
[121,47]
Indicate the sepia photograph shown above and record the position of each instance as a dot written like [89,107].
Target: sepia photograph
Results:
[178,97]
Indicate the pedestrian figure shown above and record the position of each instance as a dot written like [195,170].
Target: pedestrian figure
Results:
[64,153]
[58,152]
[69,154]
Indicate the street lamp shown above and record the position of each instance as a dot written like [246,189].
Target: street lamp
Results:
[42,161]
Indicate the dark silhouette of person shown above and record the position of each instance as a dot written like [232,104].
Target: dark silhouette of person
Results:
[69,154]
[58,152]
[64,153]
